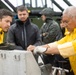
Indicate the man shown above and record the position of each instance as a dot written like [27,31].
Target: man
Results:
[67,45]
[49,32]
[5,21]
[23,33]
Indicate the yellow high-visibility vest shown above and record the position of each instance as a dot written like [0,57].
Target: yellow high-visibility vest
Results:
[70,37]
[1,36]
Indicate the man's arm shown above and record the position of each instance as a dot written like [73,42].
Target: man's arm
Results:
[65,49]
[50,48]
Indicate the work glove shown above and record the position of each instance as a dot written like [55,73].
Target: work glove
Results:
[39,49]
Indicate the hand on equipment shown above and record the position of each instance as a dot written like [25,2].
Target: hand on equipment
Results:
[39,49]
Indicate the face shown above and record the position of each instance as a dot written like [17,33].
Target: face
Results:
[5,23]
[62,25]
[68,22]
[23,15]
[43,17]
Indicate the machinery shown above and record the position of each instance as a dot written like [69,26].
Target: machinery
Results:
[17,62]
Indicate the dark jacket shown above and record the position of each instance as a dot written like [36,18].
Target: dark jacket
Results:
[52,31]
[16,34]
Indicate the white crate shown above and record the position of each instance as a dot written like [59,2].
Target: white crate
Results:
[18,63]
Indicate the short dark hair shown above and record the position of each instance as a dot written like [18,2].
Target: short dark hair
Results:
[5,12]
[22,8]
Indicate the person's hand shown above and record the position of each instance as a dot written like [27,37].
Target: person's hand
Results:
[30,47]
[39,49]
[44,34]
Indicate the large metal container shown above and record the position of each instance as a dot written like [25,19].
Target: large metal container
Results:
[18,63]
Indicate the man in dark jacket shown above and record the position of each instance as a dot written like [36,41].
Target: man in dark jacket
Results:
[49,32]
[23,33]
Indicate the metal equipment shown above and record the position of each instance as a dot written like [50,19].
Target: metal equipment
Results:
[18,63]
